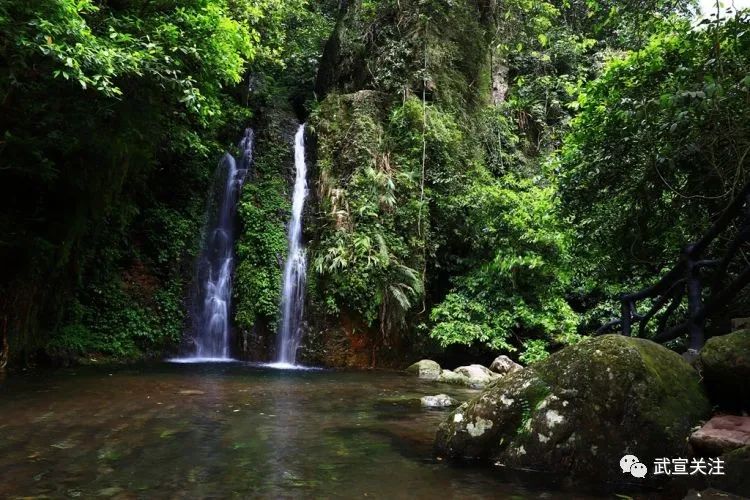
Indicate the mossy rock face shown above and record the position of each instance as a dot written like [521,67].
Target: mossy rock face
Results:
[579,411]
[725,363]
[736,478]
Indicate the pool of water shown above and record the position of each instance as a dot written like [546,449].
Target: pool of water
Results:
[234,430]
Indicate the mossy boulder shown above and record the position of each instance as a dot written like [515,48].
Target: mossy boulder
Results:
[725,363]
[426,369]
[580,410]
[451,377]
[476,376]
[736,478]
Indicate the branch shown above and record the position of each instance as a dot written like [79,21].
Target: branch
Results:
[723,221]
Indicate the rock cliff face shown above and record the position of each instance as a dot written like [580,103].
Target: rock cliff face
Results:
[581,410]
[389,72]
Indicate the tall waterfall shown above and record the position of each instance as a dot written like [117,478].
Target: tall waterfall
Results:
[293,292]
[216,262]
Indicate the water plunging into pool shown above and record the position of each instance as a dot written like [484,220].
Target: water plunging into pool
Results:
[293,291]
[216,262]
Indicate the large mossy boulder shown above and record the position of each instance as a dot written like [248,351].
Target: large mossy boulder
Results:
[580,410]
[725,363]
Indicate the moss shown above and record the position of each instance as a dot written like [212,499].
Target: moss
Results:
[725,362]
[264,208]
[737,473]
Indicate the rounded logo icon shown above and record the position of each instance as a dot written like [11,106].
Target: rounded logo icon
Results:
[638,470]
[627,462]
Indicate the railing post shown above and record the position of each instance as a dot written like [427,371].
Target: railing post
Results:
[627,317]
[696,319]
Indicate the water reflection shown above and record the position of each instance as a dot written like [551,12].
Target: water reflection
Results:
[229,429]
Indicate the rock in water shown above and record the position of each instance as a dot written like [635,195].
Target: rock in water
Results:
[725,362]
[426,369]
[580,410]
[503,364]
[451,377]
[721,434]
[439,401]
[478,376]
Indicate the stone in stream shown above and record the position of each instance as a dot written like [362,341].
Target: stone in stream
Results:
[478,376]
[580,410]
[426,369]
[451,377]
[438,401]
[504,365]
[721,434]
[725,365]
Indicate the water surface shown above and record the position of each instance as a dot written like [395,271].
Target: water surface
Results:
[233,430]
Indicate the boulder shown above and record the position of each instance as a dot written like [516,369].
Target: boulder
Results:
[503,365]
[721,434]
[451,377]
[438,401]
[725,363]
[736,478]
[426,369]
[478,376]
[580,410]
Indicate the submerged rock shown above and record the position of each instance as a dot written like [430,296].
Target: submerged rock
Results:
[725,363]
[579,411]
[438,401]
[503,365]
[710,494]
[426,369]
[477,376]
[721,434]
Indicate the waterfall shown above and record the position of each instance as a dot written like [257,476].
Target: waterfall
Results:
[216,262]
[293,291]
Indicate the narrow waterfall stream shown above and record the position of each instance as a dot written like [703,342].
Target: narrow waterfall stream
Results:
[216,262]
[293,291]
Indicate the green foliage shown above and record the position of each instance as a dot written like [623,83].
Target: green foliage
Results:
[442,173]
[370,252]
[535,350]
[485,172]
[112,117]
[517,272]
[658,149]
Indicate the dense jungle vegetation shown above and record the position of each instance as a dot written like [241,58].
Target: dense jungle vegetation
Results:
[485,175]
